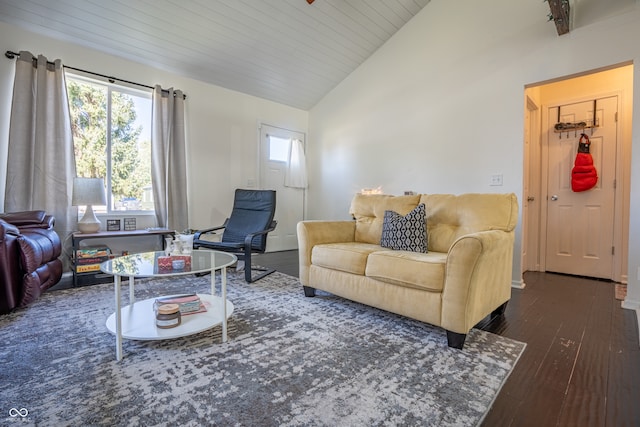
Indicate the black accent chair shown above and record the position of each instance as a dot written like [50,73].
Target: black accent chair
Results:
[245,231]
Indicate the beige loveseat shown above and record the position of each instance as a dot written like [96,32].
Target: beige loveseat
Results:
[464,276]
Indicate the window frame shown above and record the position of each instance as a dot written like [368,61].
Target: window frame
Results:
[111,86]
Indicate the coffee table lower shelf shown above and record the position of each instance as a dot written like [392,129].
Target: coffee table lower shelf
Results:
[139,321]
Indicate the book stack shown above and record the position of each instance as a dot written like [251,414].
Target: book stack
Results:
[88,259]
[189,304]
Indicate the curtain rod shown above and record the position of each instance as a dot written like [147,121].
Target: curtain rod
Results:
[11,55]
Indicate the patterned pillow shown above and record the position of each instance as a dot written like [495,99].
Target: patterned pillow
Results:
[405,233]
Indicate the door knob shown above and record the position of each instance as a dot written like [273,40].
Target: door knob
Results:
[530,199]
[554,197]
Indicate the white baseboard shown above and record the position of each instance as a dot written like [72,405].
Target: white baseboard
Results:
[518,284]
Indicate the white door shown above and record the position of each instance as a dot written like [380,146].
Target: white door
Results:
[580,225]
[274,152]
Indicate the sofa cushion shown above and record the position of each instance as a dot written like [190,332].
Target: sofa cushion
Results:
[405,233]
[348,257]
[368,211]
[412,269]
[450,217]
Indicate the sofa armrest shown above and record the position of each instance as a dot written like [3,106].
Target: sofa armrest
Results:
[478,278]
[311,233]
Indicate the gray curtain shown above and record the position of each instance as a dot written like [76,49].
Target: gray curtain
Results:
[41,162]
[168,159]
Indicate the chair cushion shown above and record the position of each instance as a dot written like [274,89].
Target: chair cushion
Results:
[348,257]
[405,268]
[405,233]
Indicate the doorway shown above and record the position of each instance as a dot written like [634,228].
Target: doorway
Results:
[579,233]
[275,149]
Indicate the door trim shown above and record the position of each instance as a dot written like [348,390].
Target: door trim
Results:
[531,219]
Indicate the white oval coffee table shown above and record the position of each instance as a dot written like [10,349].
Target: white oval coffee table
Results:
[137,320]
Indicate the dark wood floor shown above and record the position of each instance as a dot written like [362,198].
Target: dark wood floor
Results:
[581,366]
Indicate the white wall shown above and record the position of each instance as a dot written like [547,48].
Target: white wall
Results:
[439,108]
[222,133]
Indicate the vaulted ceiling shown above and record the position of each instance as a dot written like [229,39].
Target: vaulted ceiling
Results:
[287,51]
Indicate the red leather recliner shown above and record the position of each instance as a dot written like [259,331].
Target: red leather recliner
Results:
[29,263]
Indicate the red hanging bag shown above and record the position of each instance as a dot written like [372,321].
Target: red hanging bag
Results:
[583,175]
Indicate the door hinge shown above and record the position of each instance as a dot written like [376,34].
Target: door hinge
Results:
[615,183]
[613,250]
[616,117]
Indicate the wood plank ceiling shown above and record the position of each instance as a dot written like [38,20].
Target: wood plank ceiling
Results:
[287,51]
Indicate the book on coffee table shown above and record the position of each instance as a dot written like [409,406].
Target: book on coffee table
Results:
[189,304]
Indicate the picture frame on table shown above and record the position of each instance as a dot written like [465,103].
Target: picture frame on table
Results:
[129,224]
[113,225]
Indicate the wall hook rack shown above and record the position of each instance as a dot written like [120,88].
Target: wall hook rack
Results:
[567,127]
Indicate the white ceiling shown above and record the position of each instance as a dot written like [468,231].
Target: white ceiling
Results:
[286,51]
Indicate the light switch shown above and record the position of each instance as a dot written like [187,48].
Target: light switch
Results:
[496,179]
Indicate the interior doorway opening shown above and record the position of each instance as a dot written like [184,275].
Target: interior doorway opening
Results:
[564,231]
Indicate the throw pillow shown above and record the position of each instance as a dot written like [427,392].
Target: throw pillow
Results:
[405,233]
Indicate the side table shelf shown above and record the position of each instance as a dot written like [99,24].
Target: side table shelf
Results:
[78,237]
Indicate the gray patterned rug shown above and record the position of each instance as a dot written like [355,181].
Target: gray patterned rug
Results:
[290,361]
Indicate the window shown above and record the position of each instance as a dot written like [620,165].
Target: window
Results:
[279,149]
[111,127]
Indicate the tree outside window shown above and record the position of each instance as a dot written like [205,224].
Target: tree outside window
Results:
[111,134]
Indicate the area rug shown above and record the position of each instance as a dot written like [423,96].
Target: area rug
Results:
[289,361]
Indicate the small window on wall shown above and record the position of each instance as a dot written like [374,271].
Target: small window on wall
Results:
[278,149]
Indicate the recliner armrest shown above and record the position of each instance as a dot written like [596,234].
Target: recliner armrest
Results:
[38,247]
[7,228]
